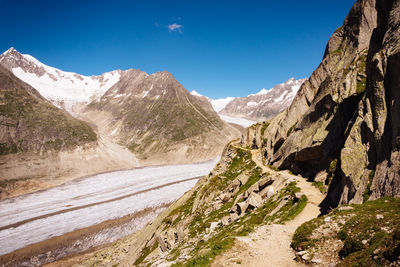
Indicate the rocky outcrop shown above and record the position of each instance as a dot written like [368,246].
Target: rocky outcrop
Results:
[344,120]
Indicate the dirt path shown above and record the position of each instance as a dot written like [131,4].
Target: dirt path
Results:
[269,245]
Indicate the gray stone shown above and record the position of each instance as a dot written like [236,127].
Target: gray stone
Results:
[254,201]
[234,216]
[161,243]
[241,207]
[345,208]
[264,182]
[243,178]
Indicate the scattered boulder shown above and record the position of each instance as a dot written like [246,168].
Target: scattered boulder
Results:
[161,243]
[213,225]
[264,182]
[234,217]
[297,196]
[301,253]
[241,207]
[234,185]
[180,233]
[227,220]
[225,197]
[243,178]
[253,188]
[306,257]
[254,201]
[316,261]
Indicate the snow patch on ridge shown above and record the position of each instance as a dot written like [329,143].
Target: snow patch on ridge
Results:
[219,104]
[63,89]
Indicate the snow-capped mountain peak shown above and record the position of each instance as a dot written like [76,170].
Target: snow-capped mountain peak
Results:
[265,103]
[63,89]
[195,93]
[263,92]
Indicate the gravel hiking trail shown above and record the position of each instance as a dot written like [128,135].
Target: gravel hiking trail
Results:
[269,245]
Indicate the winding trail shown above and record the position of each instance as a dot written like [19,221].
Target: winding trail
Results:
[269,245]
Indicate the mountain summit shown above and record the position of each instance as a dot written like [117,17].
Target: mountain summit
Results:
[158,119]
[63,89]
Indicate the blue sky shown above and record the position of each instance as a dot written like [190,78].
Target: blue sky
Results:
[218,48]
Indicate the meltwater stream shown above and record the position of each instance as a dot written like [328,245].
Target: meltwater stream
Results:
[86,202]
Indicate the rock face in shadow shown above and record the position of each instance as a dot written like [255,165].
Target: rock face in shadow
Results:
[344,121]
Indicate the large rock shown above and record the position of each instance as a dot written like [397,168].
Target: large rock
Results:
[254,201]
[241,207]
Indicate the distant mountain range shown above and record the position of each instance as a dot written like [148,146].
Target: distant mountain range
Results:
[70,91]
[153,116]
[257,107]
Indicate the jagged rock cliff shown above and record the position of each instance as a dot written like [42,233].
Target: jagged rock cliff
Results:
[343,127]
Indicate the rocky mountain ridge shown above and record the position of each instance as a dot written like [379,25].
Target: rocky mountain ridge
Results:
[342,129]
[154,116]
[42,145]
[265,104]
[63,89]
[254,108]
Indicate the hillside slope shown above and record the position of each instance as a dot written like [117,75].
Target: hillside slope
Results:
[343,128]
[237,198]
[40,143]
[159,120]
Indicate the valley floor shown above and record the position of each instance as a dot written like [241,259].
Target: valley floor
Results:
[118,198]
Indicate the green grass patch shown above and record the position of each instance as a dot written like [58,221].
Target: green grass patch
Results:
[272,167]
[367,193]
[146,252]
[291,129]
[264,127]
[320,185]
[361,85]
[370,234]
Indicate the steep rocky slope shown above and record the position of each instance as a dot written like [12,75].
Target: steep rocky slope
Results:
[342,128]
[63,89]
[41,141]
[235,199]
[265,104]
[159,120]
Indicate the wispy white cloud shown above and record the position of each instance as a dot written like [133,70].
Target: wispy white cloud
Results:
[174,27]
